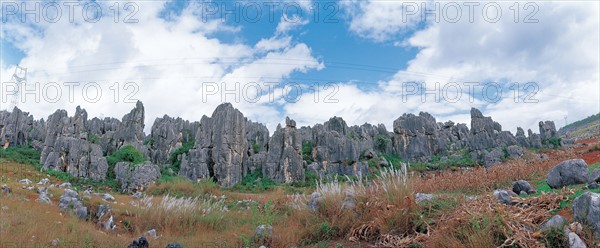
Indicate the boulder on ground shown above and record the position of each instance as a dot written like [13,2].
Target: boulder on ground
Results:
[522,185]
[569,172]
[586,209]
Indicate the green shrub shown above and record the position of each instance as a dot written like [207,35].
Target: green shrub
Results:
[256,148]
[254,182]
[128,154]
[554,141]
[92,138]
[174,157]
[307,148]
[554,237]
[381,141]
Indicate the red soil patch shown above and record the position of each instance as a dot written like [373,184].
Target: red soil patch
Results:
[587,141]
[591,157]
[566,212]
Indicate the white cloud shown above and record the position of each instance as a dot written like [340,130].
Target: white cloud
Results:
[168,59]
[288,23]
[559,53]
[382,20]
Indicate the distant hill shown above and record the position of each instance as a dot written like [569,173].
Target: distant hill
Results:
[582,129]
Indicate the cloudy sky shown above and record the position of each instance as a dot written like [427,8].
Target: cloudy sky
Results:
[366,61]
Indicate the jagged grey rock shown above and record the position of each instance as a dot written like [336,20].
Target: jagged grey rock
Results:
[569,172]
[514,151]
[77,157]
[284,158]
[169,134]
[586,209]
[109,224]
[69,201]
[547,130]
[493,157]
[136,177]
[17,127]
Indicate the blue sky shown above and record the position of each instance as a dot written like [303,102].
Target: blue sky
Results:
[370,50]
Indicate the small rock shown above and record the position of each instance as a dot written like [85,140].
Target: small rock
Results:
[592,185]
[44,181]
[108,197]
[504,196]
[81,212]
[102,210]
[6,189]
[349,201]
[315,201]
[4,208]
[134,203]
[109,224]
[151,234]
[420,197]
[65,185]
[522,185]
[263,234]
[557,221]
[173,245]
[25,181]
[575,241]
[43,198]
[55,242]
[137,195]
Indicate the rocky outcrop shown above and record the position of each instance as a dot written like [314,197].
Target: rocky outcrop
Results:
[221,147]
[167,135]
[77,157]
[18,128]
[284,158]
[569,172]
[547,130]
[136,177]
[226,146]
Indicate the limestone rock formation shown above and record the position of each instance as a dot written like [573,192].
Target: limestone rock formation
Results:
[284,159]
[136,177]
[77,157]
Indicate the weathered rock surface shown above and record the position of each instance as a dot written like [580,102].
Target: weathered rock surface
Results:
[284,159]
[586,209]
[569,172]
[136,177]
[227,146]
[169,134]
[18,127]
